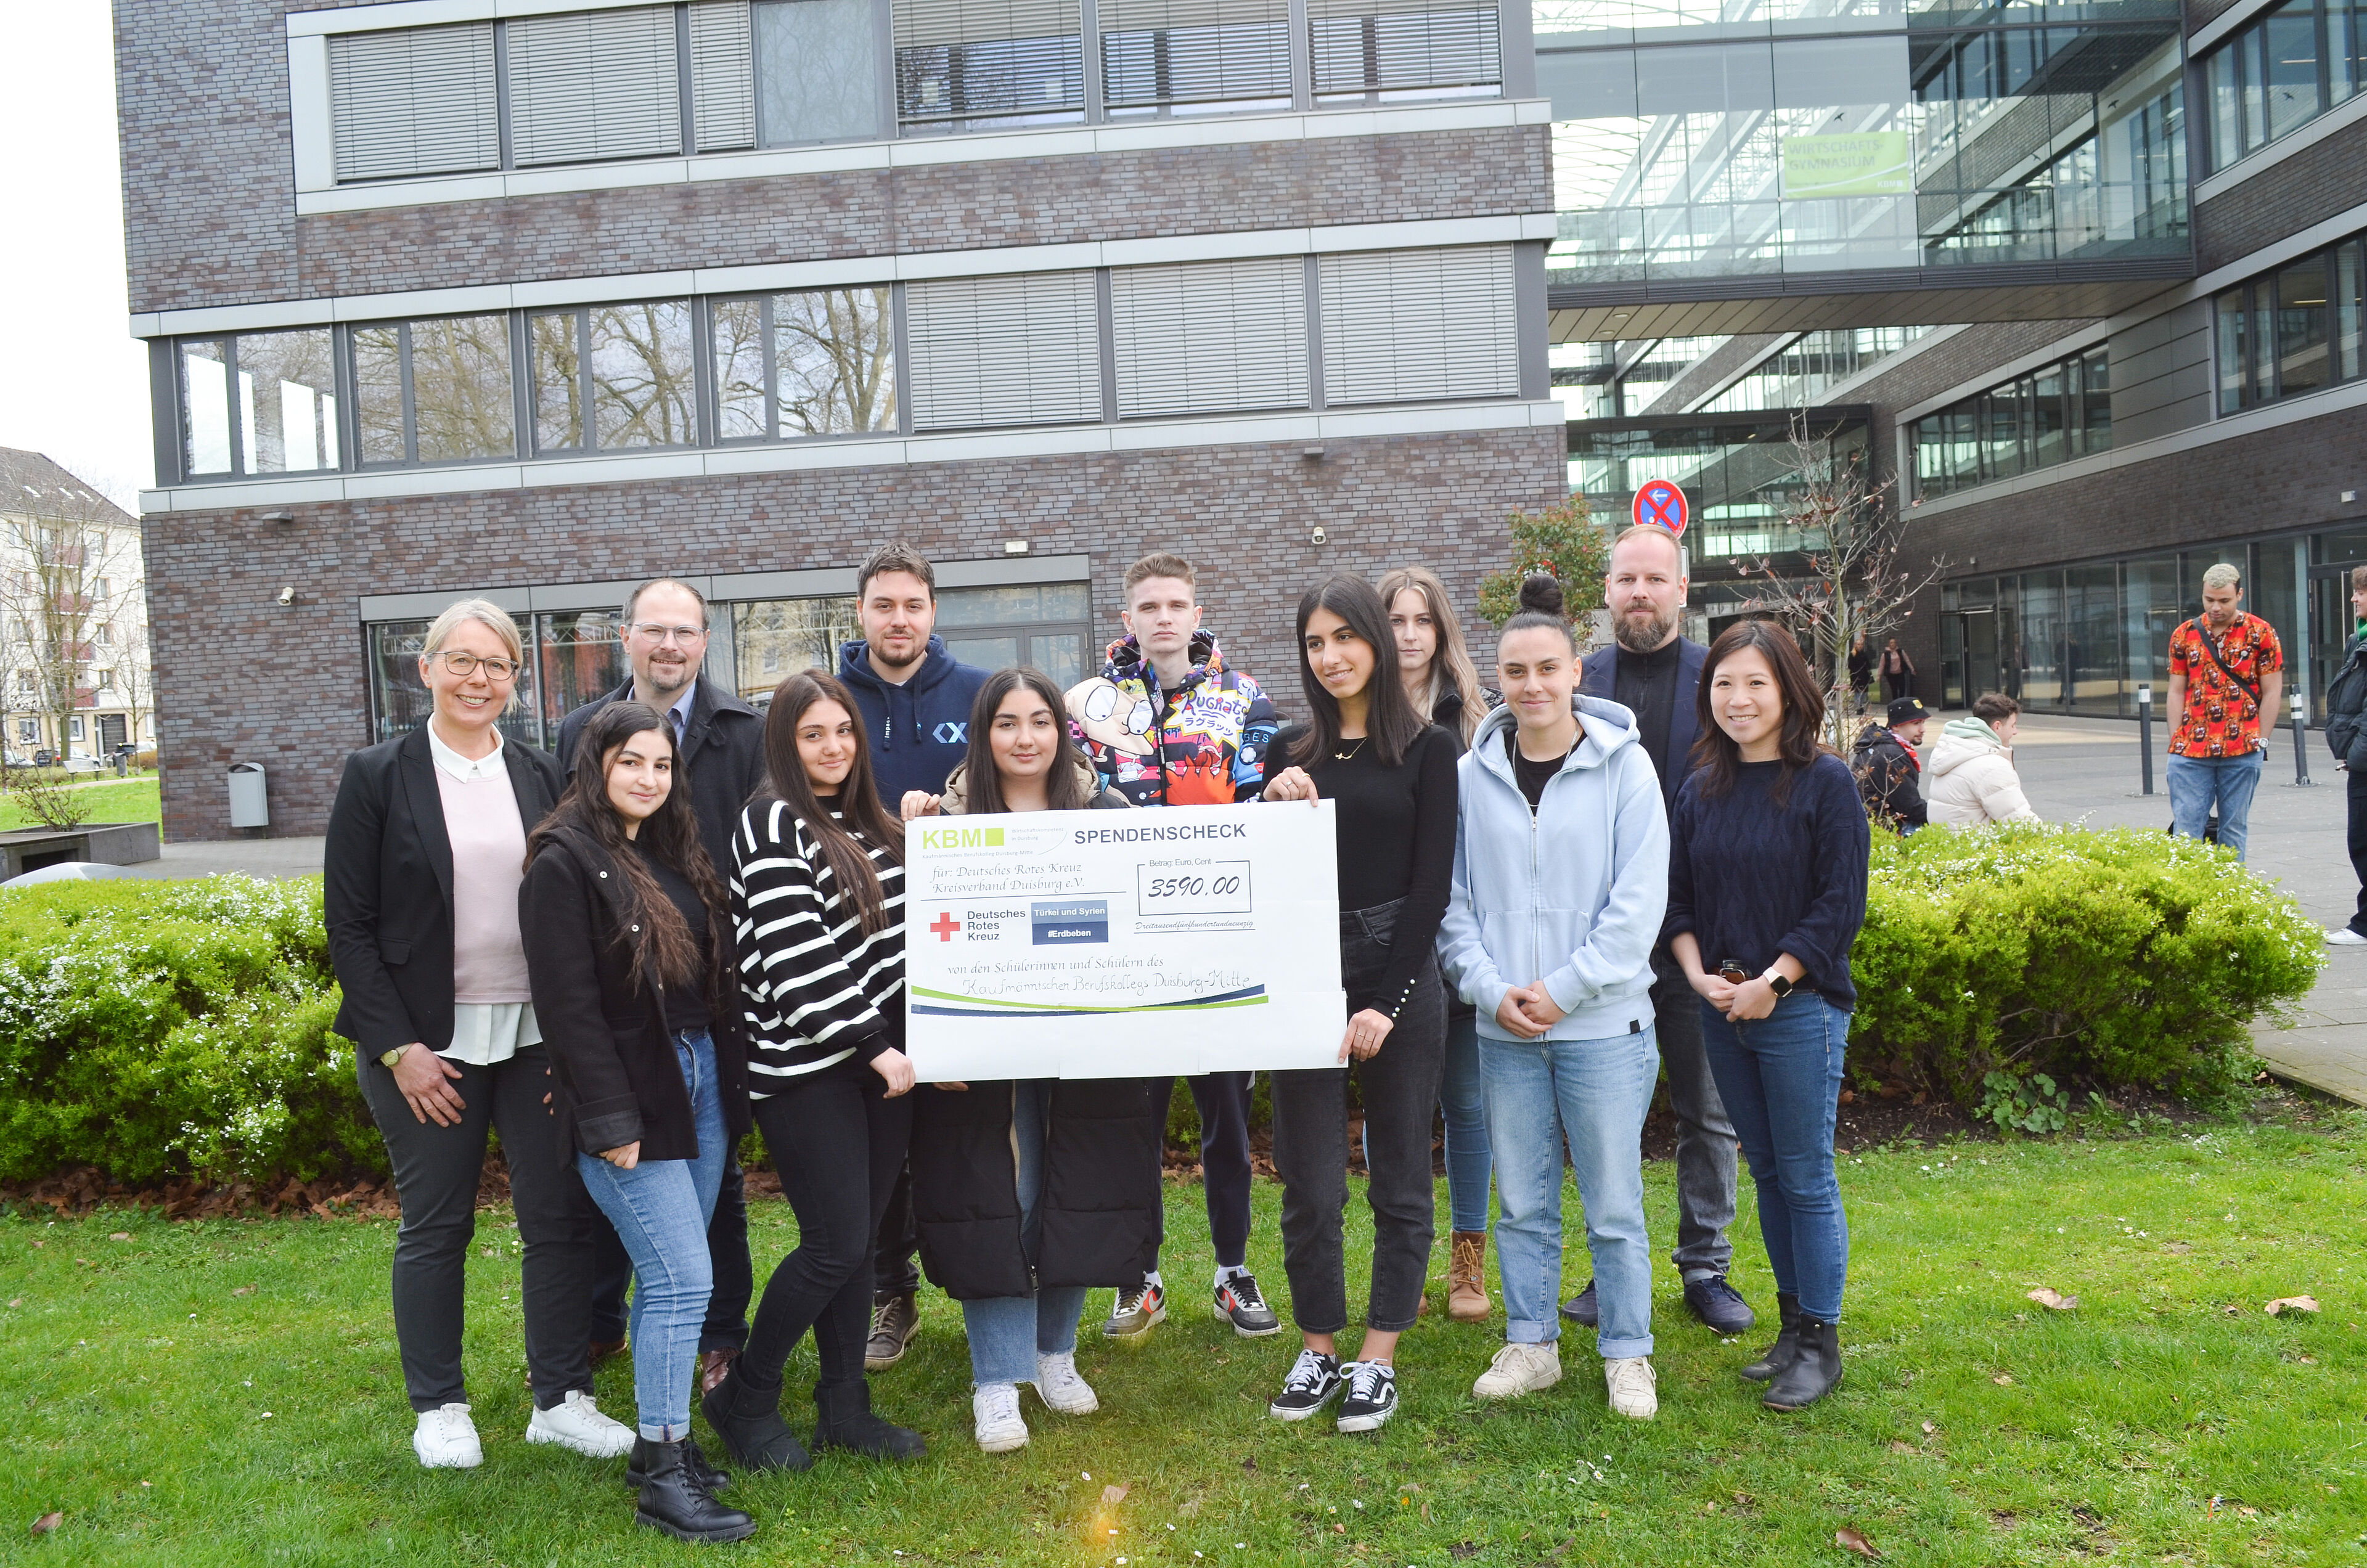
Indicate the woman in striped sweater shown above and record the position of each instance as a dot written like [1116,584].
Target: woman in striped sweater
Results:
[817,906]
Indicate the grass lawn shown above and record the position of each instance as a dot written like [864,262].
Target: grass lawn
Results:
[115,800]
[228,1393]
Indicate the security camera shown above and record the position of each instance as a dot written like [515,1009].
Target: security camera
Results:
[288,595]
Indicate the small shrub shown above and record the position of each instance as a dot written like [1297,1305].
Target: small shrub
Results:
[44,796]
[1563,541]
[2119,957]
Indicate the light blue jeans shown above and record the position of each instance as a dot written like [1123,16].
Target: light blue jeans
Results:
[1781,1078]
[2197,782]
[661,1208]
[1007,1333]
[1591,1094]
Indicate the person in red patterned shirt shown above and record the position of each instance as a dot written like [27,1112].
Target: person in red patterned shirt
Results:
[2226,674]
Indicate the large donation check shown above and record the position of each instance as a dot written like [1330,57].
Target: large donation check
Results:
[1097,944]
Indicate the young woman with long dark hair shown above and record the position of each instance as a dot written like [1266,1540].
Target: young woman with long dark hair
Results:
[1392,778]
[1445,685]
[1767,868]
[1030,1193]
[818,910]
[629,953]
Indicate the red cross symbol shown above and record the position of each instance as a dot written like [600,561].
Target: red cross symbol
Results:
[944,926]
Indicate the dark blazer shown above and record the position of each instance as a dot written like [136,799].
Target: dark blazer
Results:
[1599,676]
[722,756]
[387,876]
[613,1073]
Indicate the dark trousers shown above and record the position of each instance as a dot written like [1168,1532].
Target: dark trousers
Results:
[2358,797]
[1223,1101]
[838,1141]
[896,1260]
[436,1174]
[1897,686]
[1706,1143]
[1399,1090]
[727,1247]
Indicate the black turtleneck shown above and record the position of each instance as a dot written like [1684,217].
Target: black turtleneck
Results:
[1646,684]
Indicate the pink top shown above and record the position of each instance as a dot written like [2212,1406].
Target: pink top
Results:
[480,815]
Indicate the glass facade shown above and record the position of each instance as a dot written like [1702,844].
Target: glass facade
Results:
[1797,373]
[2039,419]
[2292,331]
[2281,71]
[1740,475]
[1699,141]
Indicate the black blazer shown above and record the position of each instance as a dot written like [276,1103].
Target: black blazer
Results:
[387,876]
[1598,676]
[616,1079]
[722,758]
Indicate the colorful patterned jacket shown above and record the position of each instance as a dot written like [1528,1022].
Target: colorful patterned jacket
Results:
[1209,749]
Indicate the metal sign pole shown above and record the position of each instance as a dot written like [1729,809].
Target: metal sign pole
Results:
[2145,736]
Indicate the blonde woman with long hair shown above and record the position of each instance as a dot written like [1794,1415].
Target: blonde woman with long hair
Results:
[1439,676]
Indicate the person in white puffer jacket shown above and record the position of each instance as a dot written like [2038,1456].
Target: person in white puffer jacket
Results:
[1973,779]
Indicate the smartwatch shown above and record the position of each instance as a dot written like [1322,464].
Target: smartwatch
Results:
[1777,982]
[388,1058]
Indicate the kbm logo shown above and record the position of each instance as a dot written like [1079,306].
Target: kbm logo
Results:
[961,838]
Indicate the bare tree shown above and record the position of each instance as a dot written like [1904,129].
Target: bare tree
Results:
[1839,517]
[66,552]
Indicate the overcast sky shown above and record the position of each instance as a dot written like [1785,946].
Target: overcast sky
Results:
[72,382]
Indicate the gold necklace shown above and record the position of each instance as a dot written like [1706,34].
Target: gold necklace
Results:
[1349,755]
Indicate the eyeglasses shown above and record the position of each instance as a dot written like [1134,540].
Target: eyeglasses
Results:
[658,634]
[467,664]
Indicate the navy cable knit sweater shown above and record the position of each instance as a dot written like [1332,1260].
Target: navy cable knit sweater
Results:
[1752,879]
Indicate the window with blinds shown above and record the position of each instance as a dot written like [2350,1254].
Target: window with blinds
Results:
[594,84]
[722,75]
[987,61]
[420,101]
[1407,326]
[1204,337]
[1162,52]
[1363,46]
[1015,350]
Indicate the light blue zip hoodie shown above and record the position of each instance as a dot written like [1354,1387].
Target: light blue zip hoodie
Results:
[1572,894]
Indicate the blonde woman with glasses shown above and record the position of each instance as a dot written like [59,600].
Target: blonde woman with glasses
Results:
[426,853]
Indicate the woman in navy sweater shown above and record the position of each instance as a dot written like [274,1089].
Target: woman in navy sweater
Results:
[1767,855]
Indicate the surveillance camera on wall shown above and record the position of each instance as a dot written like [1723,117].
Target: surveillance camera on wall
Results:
[288,595]
[1319,536]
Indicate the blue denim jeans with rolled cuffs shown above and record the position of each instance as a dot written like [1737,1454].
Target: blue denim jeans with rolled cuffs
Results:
[661,1208]
[1007,1333]
[1780,1079]
[1592,1095]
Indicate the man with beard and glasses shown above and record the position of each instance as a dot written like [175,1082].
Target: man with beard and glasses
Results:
[1653,671]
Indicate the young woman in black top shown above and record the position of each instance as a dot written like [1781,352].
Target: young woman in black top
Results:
[1392,777]
[628,955]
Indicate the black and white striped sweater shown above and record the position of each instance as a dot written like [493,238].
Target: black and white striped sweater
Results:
[813,984]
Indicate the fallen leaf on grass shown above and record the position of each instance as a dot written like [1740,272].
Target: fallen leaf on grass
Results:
[1929,1428]
[48,1522]
[1338,1530]
[2047,1297]
[243,1291]
[2002,1378]
[2299,1303]
[120,1236]
[1849,1539]
[1249,1464]
[2178,1246]
[1113,1495]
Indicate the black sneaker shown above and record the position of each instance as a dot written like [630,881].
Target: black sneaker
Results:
[1240,1303]
[1580,1308]
[1136,1308]
[1372,1396]
[1718,1305]
[1314,1378]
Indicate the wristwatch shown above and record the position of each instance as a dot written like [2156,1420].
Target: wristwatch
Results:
[388,1058]
[1777,982]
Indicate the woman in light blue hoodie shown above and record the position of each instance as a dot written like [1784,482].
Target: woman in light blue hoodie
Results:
[1562,877]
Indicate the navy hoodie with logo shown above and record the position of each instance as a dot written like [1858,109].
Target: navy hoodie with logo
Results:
[919,732]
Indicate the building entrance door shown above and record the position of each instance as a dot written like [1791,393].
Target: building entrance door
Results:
[1977,634]
[110,733]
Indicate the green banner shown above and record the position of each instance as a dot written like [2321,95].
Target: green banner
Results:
[1874,162]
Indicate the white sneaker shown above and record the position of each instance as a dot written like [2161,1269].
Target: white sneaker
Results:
[994,1407]
[1061,1388]
[2343,936]
[446,1439]
[1520,1369]
[1631,1383]
[577,1423]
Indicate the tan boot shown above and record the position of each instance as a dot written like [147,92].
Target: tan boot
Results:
[1466,1277]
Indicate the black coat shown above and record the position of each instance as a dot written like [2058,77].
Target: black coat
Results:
[615,1074]
[387,876]
[722,756]
[1099,1220]
[1598,676]
[1889,775]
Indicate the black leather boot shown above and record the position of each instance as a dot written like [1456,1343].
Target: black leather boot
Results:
[749,1422]
[1816,1368]
[673,1501]
[846,1422]
[1787,1342]
[693,1459]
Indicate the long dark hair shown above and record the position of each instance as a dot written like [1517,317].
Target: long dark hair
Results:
[1063,790]
[1389,716]
[1715,757]
[664,950]
[858,801]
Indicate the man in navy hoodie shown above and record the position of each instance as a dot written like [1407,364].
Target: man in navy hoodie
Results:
[1654,671]
[915,699]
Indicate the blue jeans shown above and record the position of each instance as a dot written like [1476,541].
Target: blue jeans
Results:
[1592,1094]
[1781,1078]
[1007,1333]
[2196,782]
[661,1208]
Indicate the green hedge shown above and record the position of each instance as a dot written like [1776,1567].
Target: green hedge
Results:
[2110,958]
[159,1030]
